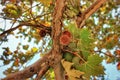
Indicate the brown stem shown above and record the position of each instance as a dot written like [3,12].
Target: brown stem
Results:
[74,53]
[85,15]
[24,24]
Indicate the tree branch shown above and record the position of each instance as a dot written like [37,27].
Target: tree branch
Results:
[59,72]
[56,32]
[31,70]
[43,70]
[85,15]
[24,24]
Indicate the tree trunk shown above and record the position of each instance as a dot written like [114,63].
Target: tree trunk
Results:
[56,32]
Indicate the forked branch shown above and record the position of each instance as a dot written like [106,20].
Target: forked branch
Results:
[31,70]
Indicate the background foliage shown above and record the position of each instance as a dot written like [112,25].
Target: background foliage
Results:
[99,39]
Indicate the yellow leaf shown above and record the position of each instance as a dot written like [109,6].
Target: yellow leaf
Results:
[32,22]
[9,52]
[45,2]
[109,60]
[72,73]
[103,9]
[45,23]
[34,49]
[37,30]
[16,62]
[28,52]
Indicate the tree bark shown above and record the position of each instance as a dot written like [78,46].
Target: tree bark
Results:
[30,70]
[87,13]
[56,32]
[37,26]
[43,70]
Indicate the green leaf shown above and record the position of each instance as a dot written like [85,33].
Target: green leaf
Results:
[6,62]
[85,36]
[86,42]
[72,27]
[95,59]
[110,45]
[85,54]
[93,66]
[29,39]
[68,56]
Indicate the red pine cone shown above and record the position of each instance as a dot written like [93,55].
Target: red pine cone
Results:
[65,39]
[67,33]
[42,33]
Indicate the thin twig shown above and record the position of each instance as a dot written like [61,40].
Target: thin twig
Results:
[24,24]
[74,53]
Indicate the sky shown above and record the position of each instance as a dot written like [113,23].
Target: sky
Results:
[111,71]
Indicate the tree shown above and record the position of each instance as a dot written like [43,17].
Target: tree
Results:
[76,37]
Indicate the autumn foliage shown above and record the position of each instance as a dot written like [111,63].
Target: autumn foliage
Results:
[71,38]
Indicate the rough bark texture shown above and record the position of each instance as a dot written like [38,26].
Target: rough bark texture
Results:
[30,70]
[56,31]
[53,58]
[43,70]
